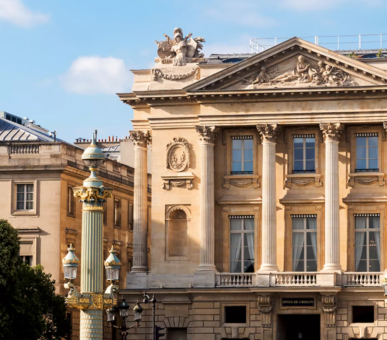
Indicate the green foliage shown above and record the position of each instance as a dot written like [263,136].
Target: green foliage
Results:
[379,54]
[29,307]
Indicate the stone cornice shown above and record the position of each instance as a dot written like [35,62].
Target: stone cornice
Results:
[256,95]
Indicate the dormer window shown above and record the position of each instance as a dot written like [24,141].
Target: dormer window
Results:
[242,154]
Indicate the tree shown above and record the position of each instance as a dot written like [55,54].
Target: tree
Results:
[29,307]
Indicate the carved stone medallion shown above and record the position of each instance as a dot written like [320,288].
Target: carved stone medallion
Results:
[178,156]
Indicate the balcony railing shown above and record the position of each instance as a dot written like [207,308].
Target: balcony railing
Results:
[295,279]
[235,279]
[23,149]
[370,279]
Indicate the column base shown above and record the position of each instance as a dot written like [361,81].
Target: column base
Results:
[204,278]
[139,269]
[137,281]
[332,267]
[265,267]
[207,267]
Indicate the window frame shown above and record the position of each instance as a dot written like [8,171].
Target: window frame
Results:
[367,230]
[367,135]
[25,193]
[117,213]
[242,231]
[130,216]
[71,202]
[304,148]
[242,138]
[305,231]
[18,212]
[223,314]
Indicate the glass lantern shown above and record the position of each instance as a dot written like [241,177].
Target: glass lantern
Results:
[111,316]
[137,310]
[70,264]
[123,308]
[112,266]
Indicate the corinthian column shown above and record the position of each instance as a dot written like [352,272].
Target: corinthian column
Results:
[269,134]
[331,134]
[207,137]
[140,204]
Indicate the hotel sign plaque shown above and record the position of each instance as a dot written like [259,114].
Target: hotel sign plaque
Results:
[297,302]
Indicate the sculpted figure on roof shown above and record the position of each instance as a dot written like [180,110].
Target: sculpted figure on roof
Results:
[180,50]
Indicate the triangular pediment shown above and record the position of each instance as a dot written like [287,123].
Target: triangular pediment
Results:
[294,63]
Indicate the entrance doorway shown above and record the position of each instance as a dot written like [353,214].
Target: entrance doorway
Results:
[299,327]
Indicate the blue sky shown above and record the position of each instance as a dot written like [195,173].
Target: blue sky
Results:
[61,62]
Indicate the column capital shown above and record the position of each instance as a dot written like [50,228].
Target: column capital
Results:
[140,138]
[331,131]
[268,132]
[207,133]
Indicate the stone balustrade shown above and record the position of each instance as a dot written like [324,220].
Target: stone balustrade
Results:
[293,279]
[370,279]
[235,279]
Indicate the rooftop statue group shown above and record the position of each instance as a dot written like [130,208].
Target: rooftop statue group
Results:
[180,50]
[303,73]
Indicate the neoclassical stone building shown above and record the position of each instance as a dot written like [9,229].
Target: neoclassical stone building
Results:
[269,194]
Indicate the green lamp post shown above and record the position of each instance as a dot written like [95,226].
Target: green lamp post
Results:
[91,299]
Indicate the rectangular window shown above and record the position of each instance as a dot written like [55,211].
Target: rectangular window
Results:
[362,314]
[130,216]
[304,153]
[367,242]
[27,259]
[242,244]
[367,152]
[235,314]
[25,197]
[304,243]
[177,334]
[70,201]
[242,154]
[117,213]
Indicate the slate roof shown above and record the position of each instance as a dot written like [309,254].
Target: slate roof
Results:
[13,132]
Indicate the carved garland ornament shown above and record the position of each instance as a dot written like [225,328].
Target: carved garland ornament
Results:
[92,194]
[157,73]
[178,155]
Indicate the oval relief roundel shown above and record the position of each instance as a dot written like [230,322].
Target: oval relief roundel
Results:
[178,154]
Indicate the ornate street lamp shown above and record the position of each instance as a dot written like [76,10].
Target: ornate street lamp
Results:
[91,300]
[123,308]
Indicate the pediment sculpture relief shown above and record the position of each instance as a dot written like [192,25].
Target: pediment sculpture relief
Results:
[180,50]
[178,155]
[302,73]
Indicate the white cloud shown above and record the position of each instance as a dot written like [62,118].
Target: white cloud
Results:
[241,12]
[15,12]
[94,74]
[315,5]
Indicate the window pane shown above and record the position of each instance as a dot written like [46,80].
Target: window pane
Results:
[373,153]
[20,188]
[298,223]
[249,224]
[311,223]
[235,266]
[235,224]
[298,154]
[309,153]
[310,165]
[361,153]
[373,164]
[361,164]
[235,253]
[248,166]
[372,141]
[360,222]
[362,251]
[20,205]
[236,144]
[248,144]
[298,165]
[311,266]
[300,267]
[30,196]
[361,141]
[374,266]
[20,197]
[310,142]
[248,155]
[362,266]
[237,155]
[298,142]
[30,205]
[374,245]
[310,238]
[310,253]
[30,187]
[374,222]
[236,166]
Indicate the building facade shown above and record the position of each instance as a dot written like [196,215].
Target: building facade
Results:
[269,195]
[37,177]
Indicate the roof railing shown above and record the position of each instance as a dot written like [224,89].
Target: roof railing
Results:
[355,42]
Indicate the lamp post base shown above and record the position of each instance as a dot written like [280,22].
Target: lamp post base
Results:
[91,324]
